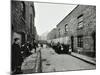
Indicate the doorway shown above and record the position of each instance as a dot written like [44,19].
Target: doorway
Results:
[72,43]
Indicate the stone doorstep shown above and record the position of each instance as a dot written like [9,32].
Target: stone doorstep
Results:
[85,58]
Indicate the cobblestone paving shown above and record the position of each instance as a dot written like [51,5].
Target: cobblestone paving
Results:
[30,63]
[54,62]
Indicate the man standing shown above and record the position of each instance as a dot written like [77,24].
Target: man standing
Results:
[16,60]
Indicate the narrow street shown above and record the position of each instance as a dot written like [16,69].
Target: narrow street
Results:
[52,62]
[43,40]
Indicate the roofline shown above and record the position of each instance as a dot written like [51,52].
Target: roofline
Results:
[66,16]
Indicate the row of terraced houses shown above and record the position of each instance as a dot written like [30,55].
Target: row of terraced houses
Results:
[78,29]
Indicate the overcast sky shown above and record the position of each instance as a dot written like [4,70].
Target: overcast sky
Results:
[48,15]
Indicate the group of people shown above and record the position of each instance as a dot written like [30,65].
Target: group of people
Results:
[19,53]
[61,48]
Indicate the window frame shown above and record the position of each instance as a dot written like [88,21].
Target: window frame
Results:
[66,28]
[80,20]
[80,41]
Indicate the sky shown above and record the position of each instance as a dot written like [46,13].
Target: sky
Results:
[48,15]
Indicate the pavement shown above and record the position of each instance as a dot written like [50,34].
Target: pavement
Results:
[47,60]
[84,58]
[31,63]
[53,62]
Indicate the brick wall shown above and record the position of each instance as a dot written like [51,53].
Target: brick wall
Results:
[22,18]
[85,14]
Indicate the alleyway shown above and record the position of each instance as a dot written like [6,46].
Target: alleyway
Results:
[35,35]
[52,61]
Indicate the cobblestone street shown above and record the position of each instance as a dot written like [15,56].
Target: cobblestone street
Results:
[52,62]
[52,37]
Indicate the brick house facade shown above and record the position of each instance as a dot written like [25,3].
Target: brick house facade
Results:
[79,26]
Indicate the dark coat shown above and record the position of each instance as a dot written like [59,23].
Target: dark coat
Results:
[26,50]
[16,56]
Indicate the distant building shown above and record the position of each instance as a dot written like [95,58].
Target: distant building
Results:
[52,34]
[78,29]
[22,20]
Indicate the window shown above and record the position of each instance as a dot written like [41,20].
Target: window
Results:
[66,27]
[30,19]
[80,41]
[80,21]
[22,7]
